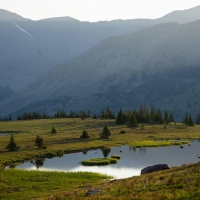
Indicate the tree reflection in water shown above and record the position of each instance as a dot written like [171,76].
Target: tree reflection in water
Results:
[39,162]
[105,152]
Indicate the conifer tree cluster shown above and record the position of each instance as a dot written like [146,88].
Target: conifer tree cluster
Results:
[132,118]
[108,114]
[62,114]
[198,119]
[59,114]
[9,118]
[188,120]
[33,115]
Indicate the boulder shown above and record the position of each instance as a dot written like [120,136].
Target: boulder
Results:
[92,192]
[154,168]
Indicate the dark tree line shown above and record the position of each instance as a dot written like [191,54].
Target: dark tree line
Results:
[132,118]
[58,114]
[108,114]
[34,115]
[9,118]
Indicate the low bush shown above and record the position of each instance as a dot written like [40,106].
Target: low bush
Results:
[122,132]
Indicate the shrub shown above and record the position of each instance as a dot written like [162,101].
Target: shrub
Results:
[84,135]
[39,142]
[53,130]
[122,132]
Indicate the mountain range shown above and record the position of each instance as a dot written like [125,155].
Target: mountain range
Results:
[158,64]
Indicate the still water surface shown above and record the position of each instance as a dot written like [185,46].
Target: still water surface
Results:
[131,162]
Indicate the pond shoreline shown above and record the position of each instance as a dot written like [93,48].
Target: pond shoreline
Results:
[60,153]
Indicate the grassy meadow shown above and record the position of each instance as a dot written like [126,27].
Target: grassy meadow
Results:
[57,185]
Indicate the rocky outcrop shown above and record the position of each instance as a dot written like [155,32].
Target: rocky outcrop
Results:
[154,168]
[92,192]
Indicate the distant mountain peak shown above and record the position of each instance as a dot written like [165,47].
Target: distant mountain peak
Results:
[10,16]
[182,16]
[68,19]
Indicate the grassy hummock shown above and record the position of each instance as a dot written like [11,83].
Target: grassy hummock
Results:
[116,157]
[149,143]
[99,161]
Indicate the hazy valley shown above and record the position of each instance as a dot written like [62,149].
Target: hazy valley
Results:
[106,64]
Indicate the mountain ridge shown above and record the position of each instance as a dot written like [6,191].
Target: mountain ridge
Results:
[134,61]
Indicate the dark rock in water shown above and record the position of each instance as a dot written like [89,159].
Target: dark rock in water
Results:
[91,192]
[181,146]
[154,168]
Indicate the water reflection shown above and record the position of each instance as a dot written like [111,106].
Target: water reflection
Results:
[131,162]
[105,152]
[39,162]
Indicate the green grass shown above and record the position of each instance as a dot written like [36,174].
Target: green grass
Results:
[24,184]
[149,143]
[14,185]
[99,161]
[176,183]
[68,140]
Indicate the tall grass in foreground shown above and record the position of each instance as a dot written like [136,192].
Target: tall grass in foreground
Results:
[177,183]
[24,184]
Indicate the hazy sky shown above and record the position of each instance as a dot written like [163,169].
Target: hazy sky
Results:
[95,10]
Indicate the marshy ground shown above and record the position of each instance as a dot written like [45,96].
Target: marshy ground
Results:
[176,183]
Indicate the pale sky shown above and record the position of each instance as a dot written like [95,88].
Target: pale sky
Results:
[95,10]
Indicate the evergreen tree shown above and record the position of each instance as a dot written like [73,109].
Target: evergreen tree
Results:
[19,117]
[142,113]
[84,135]
[94,117]
[53,130]
[132,119]
[10,118]
[39,142]
[166,117]
[198,119]
[190,121]
[120,117]
[88,114]
[113,115]
[152,115]
[186,119]
[158,117]
[12,146]
[105,133]
[71,114]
